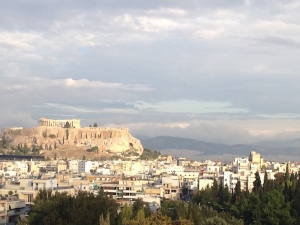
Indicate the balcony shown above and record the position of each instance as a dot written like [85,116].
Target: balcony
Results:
[16,204]
[110,191]
[129,191]
[129,197]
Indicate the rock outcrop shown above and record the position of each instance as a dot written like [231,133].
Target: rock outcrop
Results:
[113,139]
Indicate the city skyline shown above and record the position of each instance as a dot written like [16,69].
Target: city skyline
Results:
[217,71]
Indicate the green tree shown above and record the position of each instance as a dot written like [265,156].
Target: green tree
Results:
[140,216]
[60,208]
[67,125]
[287,173]
[215,187]
[104,221]
[159,219]
[250,208]
[236,196]
[52,136]
[276,210]
[257,182]
[204,196]
[126,214]
[137,205]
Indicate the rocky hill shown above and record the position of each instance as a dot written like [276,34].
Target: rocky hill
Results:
[99,139]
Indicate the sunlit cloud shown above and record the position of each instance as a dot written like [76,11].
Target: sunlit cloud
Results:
[84,83]
[190,106]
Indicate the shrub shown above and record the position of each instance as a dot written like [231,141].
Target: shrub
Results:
[52,136]
[94,149]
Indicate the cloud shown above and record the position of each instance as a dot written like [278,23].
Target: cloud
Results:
[210,131]
[189,106]
[84,83]
[83,110]
[212,70]
[11,118]
[231,131]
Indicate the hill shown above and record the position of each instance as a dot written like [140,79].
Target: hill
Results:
[70,142]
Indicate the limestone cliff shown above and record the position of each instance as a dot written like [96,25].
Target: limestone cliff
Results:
[112,139]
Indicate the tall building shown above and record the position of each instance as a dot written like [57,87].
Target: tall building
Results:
[254,157]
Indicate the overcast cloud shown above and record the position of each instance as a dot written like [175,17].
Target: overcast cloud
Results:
[222,71]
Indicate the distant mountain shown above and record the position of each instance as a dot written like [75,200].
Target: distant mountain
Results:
[295,143]
[278,149]
[168,142]
[141,137]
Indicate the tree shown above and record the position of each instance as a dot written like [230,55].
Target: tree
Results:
[226,194]
[215,187]
[250,208]
[265,181]
[203,197]
[236,196]
[257,182]
[126,214]
[137,205]
[95,125]
[185,191]
[287,173]
[60,208]
[275,210]
[221,194]
[67,125]
[140,216]
[52,136]
[159,219]
[105,221]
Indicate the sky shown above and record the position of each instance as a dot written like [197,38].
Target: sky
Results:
[220,71]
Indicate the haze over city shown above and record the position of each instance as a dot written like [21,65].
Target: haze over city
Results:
[219,71]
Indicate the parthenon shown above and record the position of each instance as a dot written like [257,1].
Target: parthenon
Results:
[75,123]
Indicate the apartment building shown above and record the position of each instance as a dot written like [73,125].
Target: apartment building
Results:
[12,210]
[171,187]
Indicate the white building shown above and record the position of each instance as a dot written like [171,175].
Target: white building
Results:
[84,166]
[205,183]
[73,166]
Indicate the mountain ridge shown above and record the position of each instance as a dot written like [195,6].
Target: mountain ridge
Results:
[159,143]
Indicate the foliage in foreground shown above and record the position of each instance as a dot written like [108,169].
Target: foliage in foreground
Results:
[63,209]
[271,202]
[90,209]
